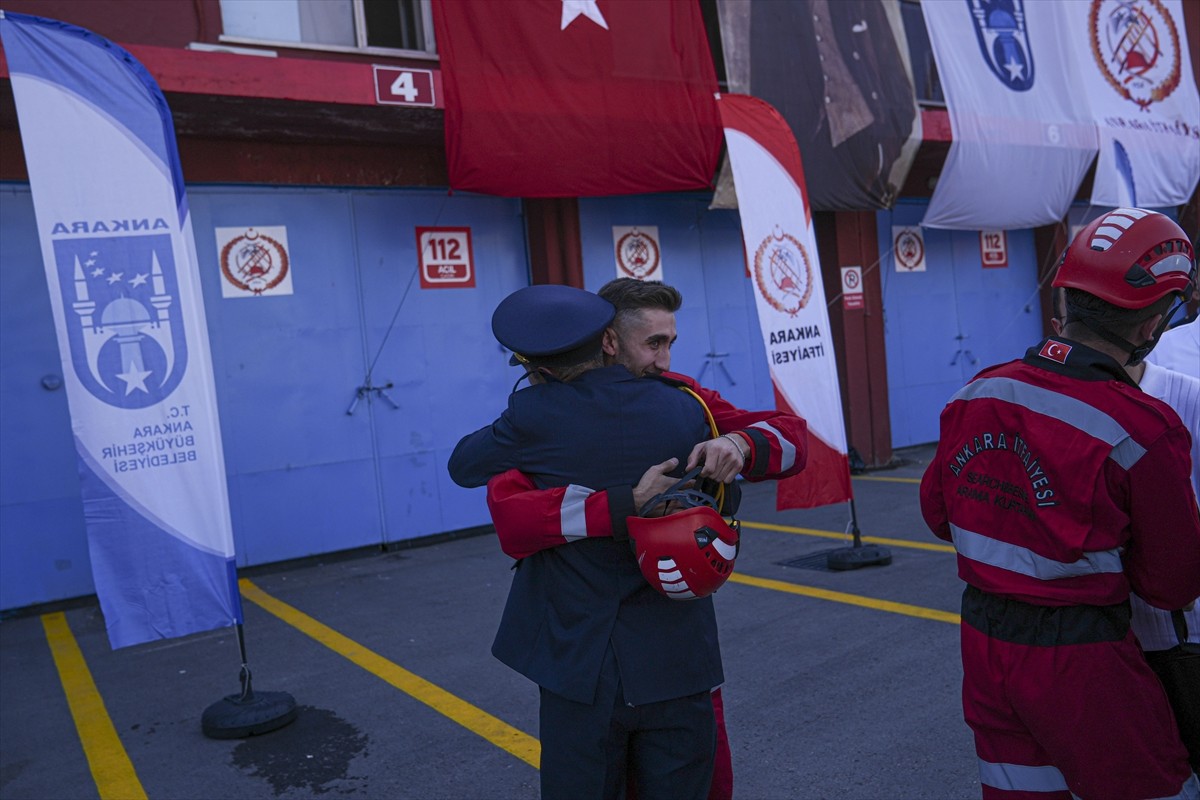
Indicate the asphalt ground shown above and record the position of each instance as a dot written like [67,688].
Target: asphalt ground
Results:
[838,684]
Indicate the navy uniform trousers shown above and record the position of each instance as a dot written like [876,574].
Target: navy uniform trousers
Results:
[625,673]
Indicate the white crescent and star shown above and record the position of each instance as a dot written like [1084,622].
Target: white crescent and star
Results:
[581,8]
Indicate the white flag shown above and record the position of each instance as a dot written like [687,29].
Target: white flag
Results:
[1135,69]
[1023,132]
[120,263]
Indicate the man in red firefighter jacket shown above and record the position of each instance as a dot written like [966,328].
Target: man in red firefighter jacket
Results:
[1063,486]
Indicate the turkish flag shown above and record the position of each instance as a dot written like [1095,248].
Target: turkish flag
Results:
[569,98]
[1055,351]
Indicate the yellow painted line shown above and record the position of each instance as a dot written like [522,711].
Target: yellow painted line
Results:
[849,599]
[500,733]
[111,768]
[885,478]
[767,526]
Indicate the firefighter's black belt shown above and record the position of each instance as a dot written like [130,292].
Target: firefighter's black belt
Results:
[1043,626]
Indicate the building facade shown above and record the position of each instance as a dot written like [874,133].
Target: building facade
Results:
[343,389]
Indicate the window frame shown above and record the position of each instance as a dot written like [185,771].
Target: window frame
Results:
[360,35]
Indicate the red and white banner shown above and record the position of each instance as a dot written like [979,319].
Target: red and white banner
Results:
[781,251]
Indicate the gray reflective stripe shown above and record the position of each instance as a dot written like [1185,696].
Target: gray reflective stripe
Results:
[1019,778]
[1013,558]
[571,513]
[787,448]
[1075,413]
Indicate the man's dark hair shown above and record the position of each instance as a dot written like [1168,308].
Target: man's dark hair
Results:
[563,372]
[1087,308]
[629,296]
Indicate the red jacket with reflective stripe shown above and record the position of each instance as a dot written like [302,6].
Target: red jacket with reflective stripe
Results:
[1062,483]
[528,519]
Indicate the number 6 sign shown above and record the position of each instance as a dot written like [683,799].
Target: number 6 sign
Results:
[445,258]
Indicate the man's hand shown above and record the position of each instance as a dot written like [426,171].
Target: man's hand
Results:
[722,459]
[654,481]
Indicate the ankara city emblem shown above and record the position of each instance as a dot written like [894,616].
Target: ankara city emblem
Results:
[254,262]
[637,254]
[123,324]
[1000,30]
[1136,46]
[783,272]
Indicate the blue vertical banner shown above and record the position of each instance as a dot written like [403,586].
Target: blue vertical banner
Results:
[120,264]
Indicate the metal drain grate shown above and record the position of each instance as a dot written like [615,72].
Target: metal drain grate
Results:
[818,561]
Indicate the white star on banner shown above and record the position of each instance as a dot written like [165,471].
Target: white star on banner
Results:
[1016,71]
[586,8]
[138,279]
[134,379]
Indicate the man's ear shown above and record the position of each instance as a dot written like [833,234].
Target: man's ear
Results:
[1147,327]
[608,342]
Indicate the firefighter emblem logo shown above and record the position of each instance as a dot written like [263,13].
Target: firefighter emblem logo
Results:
[783,272]
[638,253]
[254,262]
[1004,41]
[1136,46]
[122,301]
[909,250]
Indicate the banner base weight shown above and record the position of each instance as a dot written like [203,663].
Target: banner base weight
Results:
[855,557]
[236,717]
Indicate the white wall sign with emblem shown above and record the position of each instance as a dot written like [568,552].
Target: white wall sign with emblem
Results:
[908,248]
[637,252]
[445,257]
[993,248]
[254,261]
[852,287]
[404,87]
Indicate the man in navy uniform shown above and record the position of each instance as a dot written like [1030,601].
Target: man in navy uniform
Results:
[758,445]
[624,672]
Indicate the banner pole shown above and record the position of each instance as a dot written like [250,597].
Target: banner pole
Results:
[858,555]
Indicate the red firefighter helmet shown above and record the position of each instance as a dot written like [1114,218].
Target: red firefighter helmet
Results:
[1129,257]
[687,554]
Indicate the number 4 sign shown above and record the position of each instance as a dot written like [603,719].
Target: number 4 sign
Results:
[445,258]
[404,87]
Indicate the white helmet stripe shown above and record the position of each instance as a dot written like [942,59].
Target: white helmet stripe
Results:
[727,551]
[1115,224]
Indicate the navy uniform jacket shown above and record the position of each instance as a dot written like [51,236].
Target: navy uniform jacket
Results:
[602,430]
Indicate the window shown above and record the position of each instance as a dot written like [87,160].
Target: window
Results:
[331,24]
[925,75]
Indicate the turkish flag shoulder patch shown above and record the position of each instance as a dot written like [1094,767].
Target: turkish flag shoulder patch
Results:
[1055,351]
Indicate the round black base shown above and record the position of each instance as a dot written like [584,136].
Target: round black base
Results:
[235,718]
[868,555]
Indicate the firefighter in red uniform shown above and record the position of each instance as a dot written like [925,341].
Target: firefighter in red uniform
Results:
[1063,486]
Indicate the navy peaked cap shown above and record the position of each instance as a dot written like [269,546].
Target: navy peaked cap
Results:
[554,326]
